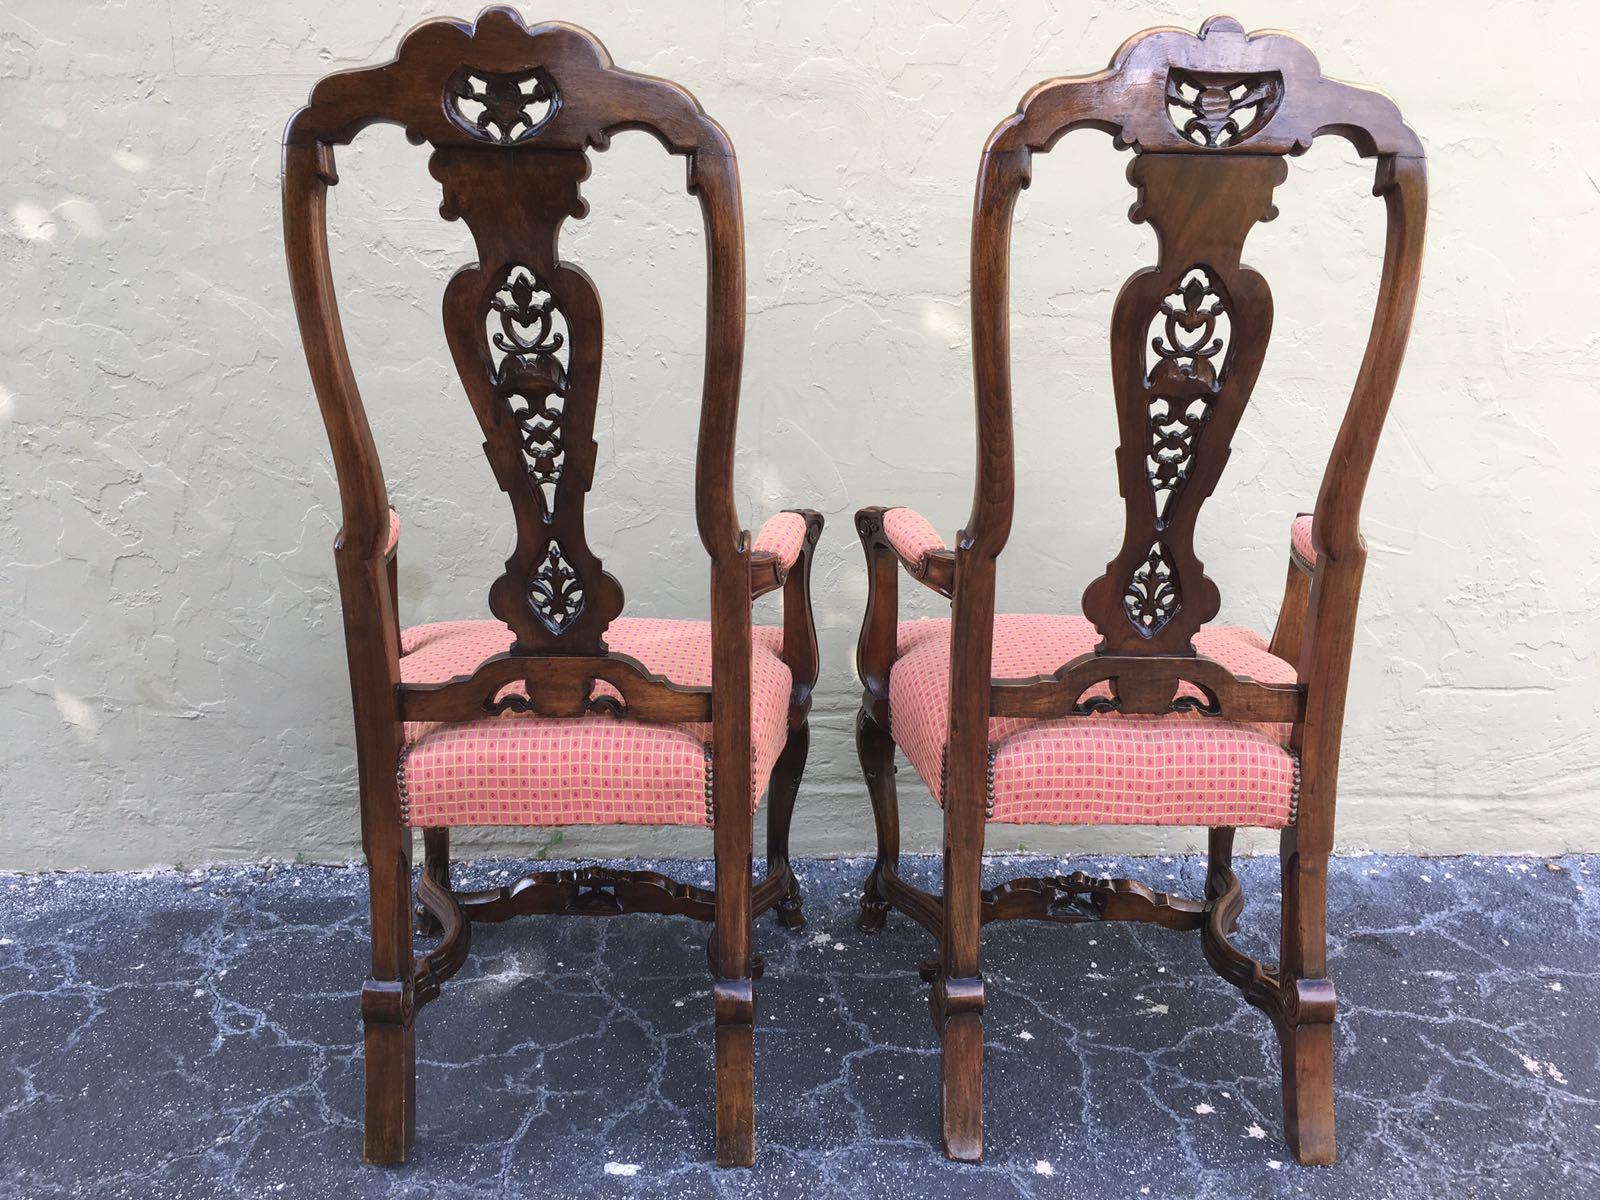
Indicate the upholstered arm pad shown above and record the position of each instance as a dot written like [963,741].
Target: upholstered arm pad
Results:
[912,539]
[783,536]
[784,542]
[394,533]
[1305,554]
[911,534]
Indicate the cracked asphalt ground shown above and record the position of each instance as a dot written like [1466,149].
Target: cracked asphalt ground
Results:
[193,1034]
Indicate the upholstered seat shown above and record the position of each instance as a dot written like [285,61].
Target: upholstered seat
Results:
[1180,769]
[519,769]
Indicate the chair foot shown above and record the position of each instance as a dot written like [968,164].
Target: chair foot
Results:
[736,1074]
[874,908]
[391,1092]
[874,913]
[1308,1124]
[790,914]
[962,1091]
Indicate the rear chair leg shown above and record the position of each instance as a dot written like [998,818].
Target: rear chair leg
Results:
[780,809]
[735,1003]
[875,748]
[732,969]
[388,1011]
[956,1002]
[1305,1030]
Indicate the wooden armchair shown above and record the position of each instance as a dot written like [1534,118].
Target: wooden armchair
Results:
[1135,712]
[562,711]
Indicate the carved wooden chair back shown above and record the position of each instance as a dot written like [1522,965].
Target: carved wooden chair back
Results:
[1210,119]
[511,113]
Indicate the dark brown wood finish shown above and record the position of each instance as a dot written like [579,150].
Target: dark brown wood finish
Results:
[511,113]
[1210,118]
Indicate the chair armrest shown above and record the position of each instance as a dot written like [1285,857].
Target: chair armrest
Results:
[1290,629]
[1301,552]
[781,556]
[915,542]
[781,542]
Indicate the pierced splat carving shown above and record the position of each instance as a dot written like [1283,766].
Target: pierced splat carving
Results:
[539,421]
[1218,110]
[1187,347]
[1188,339]
[1152,598]
[525,330]
[1189,350]
[1174,429]
[527,339]
[555,590]
[528,343]
[504,109]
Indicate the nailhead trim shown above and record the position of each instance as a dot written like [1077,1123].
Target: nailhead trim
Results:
[1294,794]
[405,793]
[711,804]
[988,789]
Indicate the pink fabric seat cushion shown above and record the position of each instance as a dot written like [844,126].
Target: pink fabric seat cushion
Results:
[1300,539]
[520,769]
[783,535]
[910,533]
[1106,769]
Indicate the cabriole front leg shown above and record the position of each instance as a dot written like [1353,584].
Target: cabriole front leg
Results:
[780,810]
[875,748]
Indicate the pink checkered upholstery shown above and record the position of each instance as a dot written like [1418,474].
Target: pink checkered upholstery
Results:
[1176,769]
[394,532]
[519,769]
[1300,538]
[783,535]
[910,533]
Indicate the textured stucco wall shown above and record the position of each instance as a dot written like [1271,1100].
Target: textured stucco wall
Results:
[174,680]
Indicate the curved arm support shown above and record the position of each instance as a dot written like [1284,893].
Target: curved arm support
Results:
[792,538]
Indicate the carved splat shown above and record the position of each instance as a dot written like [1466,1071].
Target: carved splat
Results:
[1188,337]
[525,330]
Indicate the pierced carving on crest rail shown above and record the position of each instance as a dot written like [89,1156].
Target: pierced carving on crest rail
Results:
[1218,111]
[1151,598]
[504,109]
[555,591]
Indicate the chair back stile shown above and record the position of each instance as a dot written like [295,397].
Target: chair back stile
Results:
[1210,118]
[511,114]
